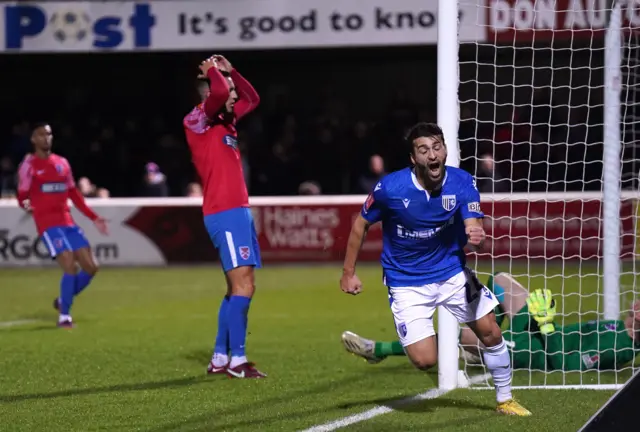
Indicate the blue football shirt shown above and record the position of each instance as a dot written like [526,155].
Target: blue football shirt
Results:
[423,235]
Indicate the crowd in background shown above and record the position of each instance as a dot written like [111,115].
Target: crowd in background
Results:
[122,130]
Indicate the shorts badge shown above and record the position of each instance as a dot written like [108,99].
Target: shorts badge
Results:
[245,252]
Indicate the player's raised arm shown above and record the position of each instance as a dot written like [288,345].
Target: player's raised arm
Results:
[472,216]
[25,175]
[248,97]
[218,88]
[371,213]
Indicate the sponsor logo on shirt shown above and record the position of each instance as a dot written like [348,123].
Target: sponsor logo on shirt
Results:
[405,233]
[448,202]
[474,207]
[53,187]
[231,141]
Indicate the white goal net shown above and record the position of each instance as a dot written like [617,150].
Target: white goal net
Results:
[549,124]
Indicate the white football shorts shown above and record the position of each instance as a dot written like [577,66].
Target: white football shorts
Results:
[413,307]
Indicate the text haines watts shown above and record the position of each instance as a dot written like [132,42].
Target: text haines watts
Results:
[297,227]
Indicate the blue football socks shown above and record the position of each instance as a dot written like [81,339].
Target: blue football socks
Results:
[67,291]
[238,313]
[83,279]
[222,338]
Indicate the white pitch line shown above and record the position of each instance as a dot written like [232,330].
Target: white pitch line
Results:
[607,387]
[6,324]
[379,410]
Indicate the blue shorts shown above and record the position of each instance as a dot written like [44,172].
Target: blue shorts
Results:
[234,235]
[64,238]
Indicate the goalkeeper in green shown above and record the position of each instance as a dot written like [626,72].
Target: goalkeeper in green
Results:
[535,340]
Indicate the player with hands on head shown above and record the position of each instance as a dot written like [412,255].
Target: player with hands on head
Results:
[45,184]
[210,129]
[429,213]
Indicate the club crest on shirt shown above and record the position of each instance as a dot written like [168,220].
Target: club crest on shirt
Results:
[245,252]
[230,140]
[448,202]
[59,168]
[611,326]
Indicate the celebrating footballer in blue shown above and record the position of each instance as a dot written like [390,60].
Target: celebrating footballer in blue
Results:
[429,213]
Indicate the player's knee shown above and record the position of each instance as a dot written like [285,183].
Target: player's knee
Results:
[67,262]
[91,268]
[492,336]
[422,357]
[242,281]
[424,362]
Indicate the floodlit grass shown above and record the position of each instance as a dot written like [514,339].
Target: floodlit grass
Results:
[137,358]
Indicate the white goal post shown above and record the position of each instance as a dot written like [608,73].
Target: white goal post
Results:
[543,45]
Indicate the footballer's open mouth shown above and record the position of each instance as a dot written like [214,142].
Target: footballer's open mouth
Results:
[434,169]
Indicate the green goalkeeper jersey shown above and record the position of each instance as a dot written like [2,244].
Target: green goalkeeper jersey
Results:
[603,345]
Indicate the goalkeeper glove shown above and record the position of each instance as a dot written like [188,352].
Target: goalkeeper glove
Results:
[542,308]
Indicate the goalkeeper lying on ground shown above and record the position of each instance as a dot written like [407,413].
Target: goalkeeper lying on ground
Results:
[535,341]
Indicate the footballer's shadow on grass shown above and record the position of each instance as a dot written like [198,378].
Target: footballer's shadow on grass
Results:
[205,420]
[32,328]
[209,421]
[426,405]
[155,385]
[413,405]
[199,356]
[460,423]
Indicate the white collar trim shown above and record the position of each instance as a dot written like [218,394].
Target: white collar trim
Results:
[418,186]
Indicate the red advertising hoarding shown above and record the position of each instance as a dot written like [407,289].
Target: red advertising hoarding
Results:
[319,233]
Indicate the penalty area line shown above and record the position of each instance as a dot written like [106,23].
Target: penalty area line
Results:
[385,409]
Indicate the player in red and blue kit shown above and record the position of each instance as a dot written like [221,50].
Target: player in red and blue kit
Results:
[45,185]
[210,129]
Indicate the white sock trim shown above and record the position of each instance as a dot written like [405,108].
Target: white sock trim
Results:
[237,361]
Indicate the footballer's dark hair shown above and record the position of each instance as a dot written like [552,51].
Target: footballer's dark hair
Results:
[422,129]
[38,125]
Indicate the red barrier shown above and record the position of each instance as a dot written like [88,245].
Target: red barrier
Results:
[304,229]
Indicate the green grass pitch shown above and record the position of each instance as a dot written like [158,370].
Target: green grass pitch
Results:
[137,358]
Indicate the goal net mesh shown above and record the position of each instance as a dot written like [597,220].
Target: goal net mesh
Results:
[532,111]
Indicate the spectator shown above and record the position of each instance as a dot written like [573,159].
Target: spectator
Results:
[8,183]
[86,188]
[309,188]
[103,193]
[488,178]
[155,182]
[194,190]
[376,172]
